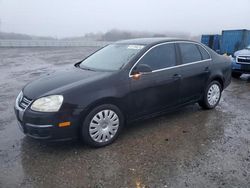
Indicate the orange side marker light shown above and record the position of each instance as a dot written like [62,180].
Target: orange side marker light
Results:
[65,124]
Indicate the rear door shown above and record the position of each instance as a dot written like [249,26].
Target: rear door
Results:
[160,88]
[195,70]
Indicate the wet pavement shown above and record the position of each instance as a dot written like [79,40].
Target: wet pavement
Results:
[190,147]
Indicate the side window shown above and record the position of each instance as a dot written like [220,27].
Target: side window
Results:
[190,53]
[204,53]
[160,57]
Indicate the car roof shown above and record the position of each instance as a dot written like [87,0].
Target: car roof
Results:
[149,41]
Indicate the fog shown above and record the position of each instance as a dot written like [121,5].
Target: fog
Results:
[65,18]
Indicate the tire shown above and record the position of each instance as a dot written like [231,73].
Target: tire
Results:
[236,74]
[211,96]
[102,125]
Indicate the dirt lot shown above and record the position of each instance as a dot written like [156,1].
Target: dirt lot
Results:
[187,148]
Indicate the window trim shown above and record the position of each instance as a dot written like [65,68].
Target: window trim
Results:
[176,66]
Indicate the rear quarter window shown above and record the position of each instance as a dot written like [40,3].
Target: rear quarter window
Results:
[204,53]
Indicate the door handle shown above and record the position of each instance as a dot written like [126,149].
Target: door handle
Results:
[176,76]
[206,69]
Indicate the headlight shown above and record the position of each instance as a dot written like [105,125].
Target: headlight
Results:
[48,104]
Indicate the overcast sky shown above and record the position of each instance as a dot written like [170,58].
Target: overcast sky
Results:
[64,18]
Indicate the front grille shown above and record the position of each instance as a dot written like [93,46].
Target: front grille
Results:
[24,103]
[243,59]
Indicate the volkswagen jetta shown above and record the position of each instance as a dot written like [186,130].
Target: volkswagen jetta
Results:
[122,82]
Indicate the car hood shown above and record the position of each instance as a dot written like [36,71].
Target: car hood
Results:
[61,81]
[242,52]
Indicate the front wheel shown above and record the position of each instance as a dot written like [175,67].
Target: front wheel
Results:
[211,96]
[102,125]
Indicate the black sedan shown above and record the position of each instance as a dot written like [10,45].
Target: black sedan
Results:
[122,82]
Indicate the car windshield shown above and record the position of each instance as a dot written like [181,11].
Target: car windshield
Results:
[248,47]
[111,57]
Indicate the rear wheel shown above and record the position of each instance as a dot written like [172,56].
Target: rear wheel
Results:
[211,96]
[102,125]
[236,74]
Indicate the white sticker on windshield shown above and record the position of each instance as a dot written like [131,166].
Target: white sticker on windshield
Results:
[135,47]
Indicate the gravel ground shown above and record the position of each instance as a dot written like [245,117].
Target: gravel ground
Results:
[190,147]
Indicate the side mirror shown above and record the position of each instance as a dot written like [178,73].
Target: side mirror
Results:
[141,69]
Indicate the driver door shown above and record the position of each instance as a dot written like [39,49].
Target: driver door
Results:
[159,88]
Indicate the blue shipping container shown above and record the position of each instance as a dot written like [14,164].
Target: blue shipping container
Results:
[234,40]
[212,41]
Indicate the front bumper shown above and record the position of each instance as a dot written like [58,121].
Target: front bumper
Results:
[45,126]
[242,68]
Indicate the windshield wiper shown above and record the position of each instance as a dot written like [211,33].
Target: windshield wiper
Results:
[84,68]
